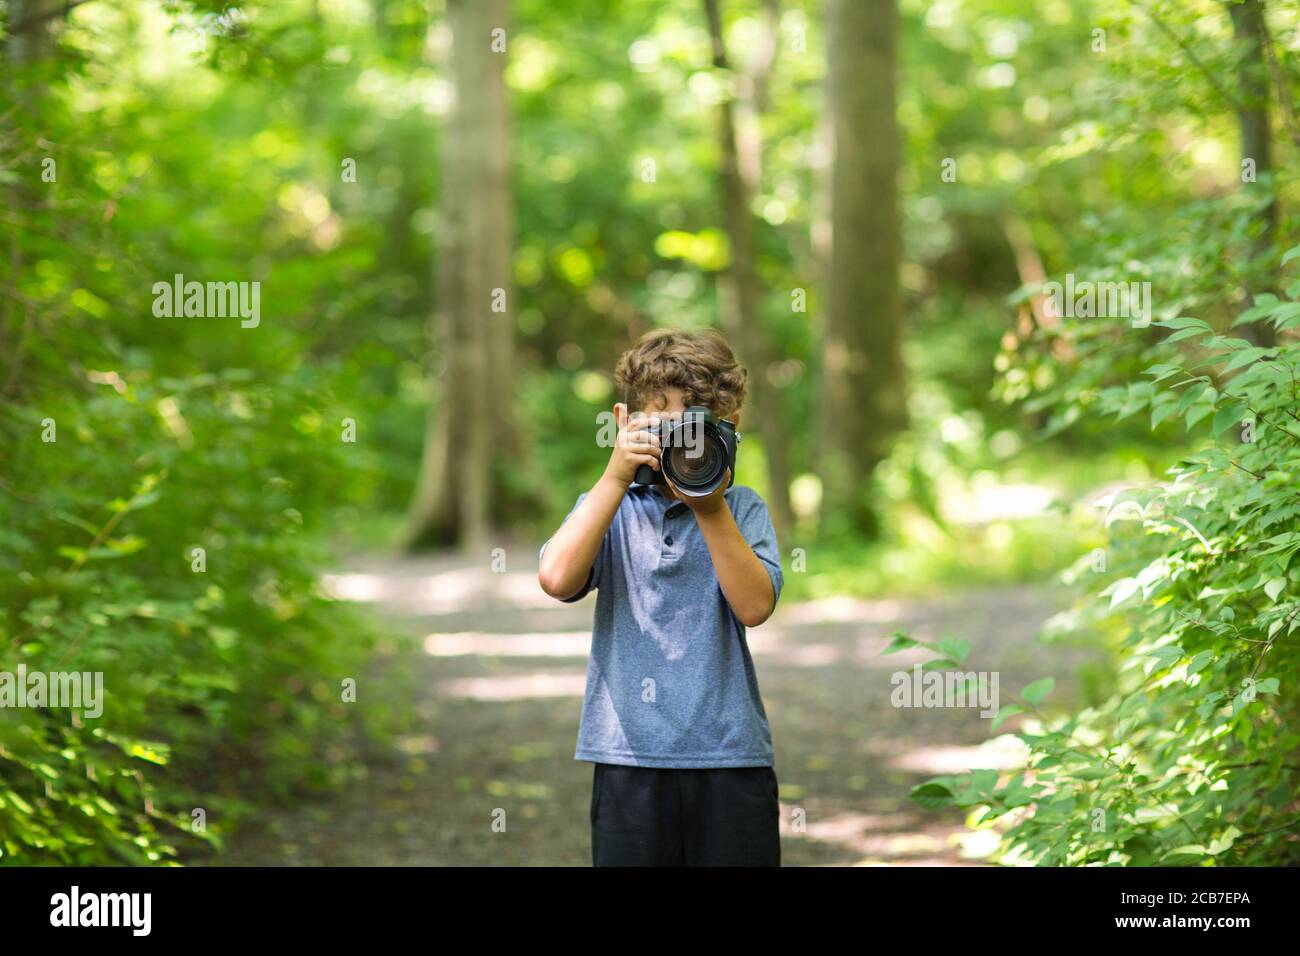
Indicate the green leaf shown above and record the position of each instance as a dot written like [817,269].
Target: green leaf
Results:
[933,795]
[900,642]
[1038,690]
[1125,588]
[1006,712]
[955,649]
[1226,417]
[1163,407]
[1193,391]
[1166,656]
[1187,334]
[1244,357]
[147,752]
[1185,322]
[1161,371]
[1223,842]
[1199,662]
[1198,412]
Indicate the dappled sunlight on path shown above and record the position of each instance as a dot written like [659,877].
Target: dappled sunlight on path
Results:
[499,675]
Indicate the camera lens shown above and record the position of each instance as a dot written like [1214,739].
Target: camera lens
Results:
[695,459]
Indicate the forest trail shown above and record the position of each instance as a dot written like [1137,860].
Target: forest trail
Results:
[495,687]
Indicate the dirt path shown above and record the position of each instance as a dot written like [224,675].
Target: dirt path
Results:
[496,692]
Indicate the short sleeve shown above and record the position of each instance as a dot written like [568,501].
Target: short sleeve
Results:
[756,528]
[593,578]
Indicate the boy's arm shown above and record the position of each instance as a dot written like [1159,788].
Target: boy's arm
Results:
[746,582]
[568,557]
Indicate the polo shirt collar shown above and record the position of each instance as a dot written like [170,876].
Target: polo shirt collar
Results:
[668,505]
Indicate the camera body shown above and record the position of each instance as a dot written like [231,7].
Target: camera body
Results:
[697,452]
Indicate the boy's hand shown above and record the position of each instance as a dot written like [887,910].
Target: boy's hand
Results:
[634,445]
[710,503]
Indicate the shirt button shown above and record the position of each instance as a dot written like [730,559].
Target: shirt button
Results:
[668,540]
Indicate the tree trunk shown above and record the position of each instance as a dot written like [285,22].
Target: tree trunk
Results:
[742,314]
[29,24]
[863,403]
[457,498]
[1257,146]
[29,43]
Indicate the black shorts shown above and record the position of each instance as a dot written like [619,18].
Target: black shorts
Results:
[651,816]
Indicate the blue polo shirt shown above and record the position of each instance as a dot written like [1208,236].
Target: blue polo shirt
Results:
[670,681]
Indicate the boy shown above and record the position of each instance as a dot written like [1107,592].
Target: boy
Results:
[672,717]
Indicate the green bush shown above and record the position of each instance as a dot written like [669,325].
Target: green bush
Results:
[217,682]
[171,434]
[1193,759]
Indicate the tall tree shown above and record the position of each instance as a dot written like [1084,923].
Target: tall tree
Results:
[28,26]
[458,497]
[1251,31]
[741,164]
[863,402]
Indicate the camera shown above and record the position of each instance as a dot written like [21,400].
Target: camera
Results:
[696,453]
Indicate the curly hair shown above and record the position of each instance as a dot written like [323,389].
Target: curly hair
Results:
[698,361]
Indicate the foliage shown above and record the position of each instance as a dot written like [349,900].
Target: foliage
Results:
[228,662]
[188,143]
[1193,759]
[132,439]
